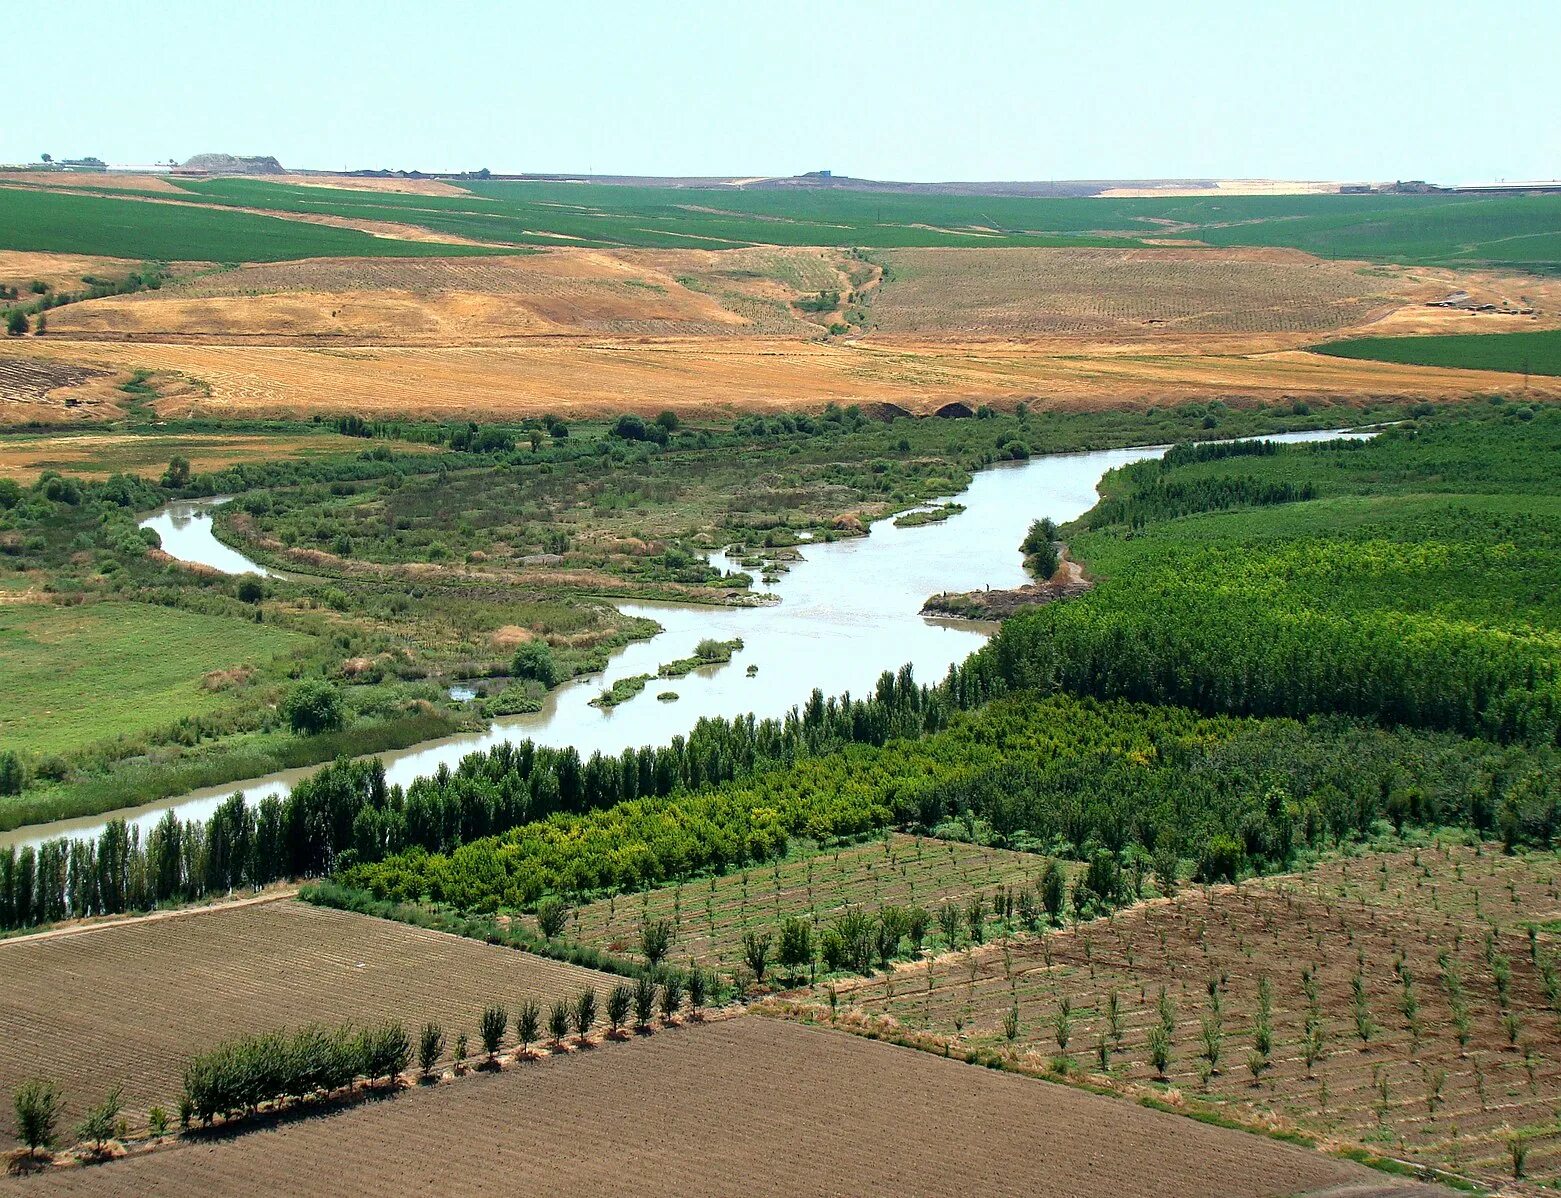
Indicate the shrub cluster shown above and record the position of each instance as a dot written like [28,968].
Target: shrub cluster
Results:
[239,1076]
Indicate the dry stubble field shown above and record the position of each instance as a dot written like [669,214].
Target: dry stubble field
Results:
[747,1106]
[1410,1090]
[717,376]
[129,1003]
[588,332]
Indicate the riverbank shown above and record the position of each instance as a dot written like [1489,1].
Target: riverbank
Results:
[1067,583]
[848,610]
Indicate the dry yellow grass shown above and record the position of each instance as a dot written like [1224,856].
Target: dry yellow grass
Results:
[62,272]
[95,454]
[98,180]
[415,187]
[455,301]
[709,375]
[1145,294]
[588,332]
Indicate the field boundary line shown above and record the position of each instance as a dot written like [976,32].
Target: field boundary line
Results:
[274,896]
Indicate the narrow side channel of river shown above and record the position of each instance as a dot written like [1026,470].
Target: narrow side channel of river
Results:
[849,611]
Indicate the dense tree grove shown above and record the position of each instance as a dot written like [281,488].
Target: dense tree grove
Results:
[1073,777]
[345,814]
[1414,591]
[1419,590]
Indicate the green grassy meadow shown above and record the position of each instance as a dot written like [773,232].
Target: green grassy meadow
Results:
[1516,353]
[75,675]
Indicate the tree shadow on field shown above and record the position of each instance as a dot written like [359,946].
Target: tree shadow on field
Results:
[307,1110]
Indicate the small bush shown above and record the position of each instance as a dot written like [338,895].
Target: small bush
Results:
[534,661]
[102,1121]
[671,995]
[528,1023]
[491,1027]
[558,1022]
[314,706]
[38,1104]
[644,1000]
[430,1044]
[585,1013]
[619,999]
[552,915]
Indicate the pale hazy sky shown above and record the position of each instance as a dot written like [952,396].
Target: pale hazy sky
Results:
[1448,90]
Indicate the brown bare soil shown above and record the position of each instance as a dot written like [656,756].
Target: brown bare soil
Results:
[44,390]
[109,180]
[1147,294]
[145,995]
[1411,1091]
[747,1106]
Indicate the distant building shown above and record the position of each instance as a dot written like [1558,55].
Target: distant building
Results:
[1355,189]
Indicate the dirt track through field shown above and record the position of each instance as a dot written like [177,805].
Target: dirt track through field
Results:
[747,1106]
[129,1003]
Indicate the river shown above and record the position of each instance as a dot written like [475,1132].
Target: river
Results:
[847,612]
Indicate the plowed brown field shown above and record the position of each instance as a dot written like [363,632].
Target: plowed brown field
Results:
[748,1106]
[1411,1090]
[129,1003]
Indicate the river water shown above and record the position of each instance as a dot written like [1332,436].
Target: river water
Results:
[847,612]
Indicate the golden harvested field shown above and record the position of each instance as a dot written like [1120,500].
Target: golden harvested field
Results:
[93,454]
[415,187]
[1461,1049]
[1138,294]
[145,995]
[458,301]
[62,272]
[97,180]
[746,1106]
[709,917]
[710,376]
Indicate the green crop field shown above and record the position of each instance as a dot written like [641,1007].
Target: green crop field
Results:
[1517,353]
[1520,231]
[1508,230]
[58,222]
[75,675]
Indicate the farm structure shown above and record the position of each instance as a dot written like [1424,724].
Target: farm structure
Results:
[747,1106]
[147,994]
[1395,1002]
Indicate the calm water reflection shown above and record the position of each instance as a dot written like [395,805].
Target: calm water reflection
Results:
[847,612]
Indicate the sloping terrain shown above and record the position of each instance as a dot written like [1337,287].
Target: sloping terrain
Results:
[147,994]
[747,1106]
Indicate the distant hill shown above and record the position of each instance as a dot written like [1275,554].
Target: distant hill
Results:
[826,179]
[230,164]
